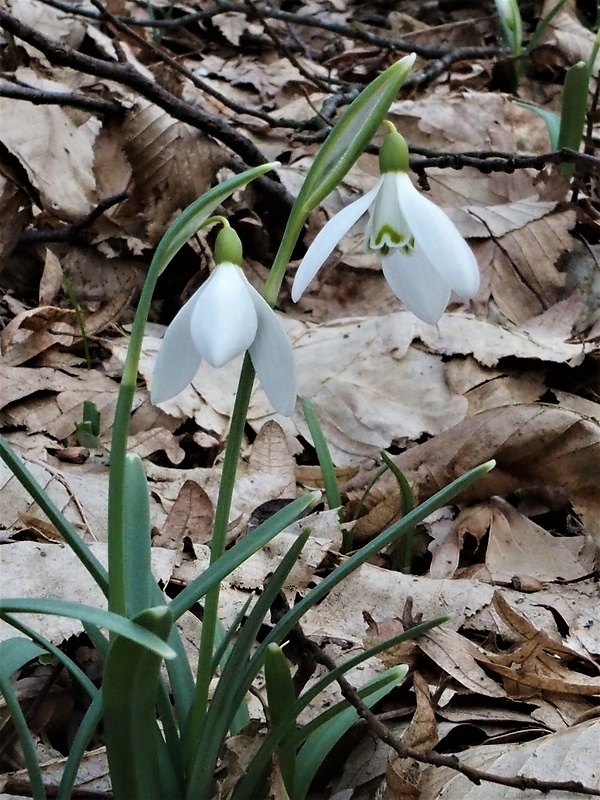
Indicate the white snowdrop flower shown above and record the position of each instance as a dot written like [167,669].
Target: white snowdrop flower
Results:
[424,257]
[225,317]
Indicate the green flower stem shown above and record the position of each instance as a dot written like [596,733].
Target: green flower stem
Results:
[117,598]
[186,225]
[221,522]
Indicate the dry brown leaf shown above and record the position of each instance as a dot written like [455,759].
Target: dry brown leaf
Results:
[403,774]
[58,402]
[567,33]
[56,152]
[540,663]
[517,547]
[525,280]
[51,280]
[532,444]
[487,388]
[191,516]
[571,754]
[15,214]
[172,165]
[458,658]
[33,331]
[33,569]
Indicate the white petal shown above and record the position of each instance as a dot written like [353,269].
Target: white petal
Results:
[386,225]
[178,360]
[224,321]
[273,357]
[417,283]
[328,237]
[441,242]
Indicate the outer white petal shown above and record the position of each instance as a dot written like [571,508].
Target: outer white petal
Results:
[224,321]
[441,242]
[178,360]
[419,285]
[273,357]
[328,237]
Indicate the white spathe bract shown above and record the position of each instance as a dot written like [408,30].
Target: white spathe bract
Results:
[223,319]
[424,256]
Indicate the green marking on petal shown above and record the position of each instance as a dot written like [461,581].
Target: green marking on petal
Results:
[386,232]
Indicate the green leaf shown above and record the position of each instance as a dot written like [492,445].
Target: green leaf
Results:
[137,572]
[129,689]
[241,552]
[236,678]
[67,531]
[15,653]
[246,786]
[95,616]
[332,490]
[190,220]
[280,698]
[333,724]
[351,135]
[572,114]
[551,119]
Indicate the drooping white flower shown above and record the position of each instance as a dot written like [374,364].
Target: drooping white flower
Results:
[424,257]
[225,317]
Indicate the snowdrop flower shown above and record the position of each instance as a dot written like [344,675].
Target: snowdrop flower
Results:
[424,256]
[225,317]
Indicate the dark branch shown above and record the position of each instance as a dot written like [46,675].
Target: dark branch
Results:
[70,233]
[128,75]
[19,91]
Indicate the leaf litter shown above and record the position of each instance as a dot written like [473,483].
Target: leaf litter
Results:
[509,376]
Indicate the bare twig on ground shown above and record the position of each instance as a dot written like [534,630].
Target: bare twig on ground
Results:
[70,233]
[128,75]
[21,91]
[381,731]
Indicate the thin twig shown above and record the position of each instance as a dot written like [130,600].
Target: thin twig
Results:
[20,91]
[69,233]
[381,731]
[128,75]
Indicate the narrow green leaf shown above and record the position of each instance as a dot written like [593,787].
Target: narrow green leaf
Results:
[15,653]
[67,531]
[36,782]
[332,490]
[351,135]
[408,503]
[95,616]
[280,698]
[78,747]
[236,678]
[572,115]
[139,581]
[129,690]
[241,552]
[551,119]
[246,787]
[48,647]
[190,220]
[328,732]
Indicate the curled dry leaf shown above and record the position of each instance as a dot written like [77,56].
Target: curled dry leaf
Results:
[533,444]
[56,152]
[190,517]
[569,755]
[403,774]
[515,547]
